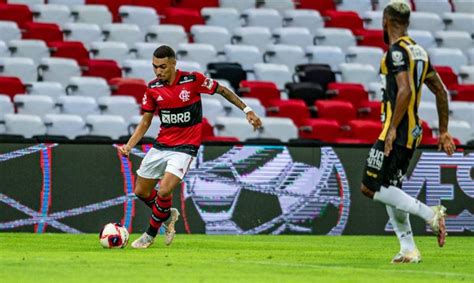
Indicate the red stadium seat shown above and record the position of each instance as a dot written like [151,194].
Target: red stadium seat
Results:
[342,111]
[113,6]
[70,49]
[365,130]
[463,93]
[354,93]
[372,38]
[320,5]
[159,5]
[344,19]
[44,31]
[220,139]
[11,86]
[349,141]
[207,129]
[370,110]
[448,76]
[196,4]
[295,109]
[106,69]
[183,17]
[262,90]
[128,86]
[427,131]
[18,13]
[326,130]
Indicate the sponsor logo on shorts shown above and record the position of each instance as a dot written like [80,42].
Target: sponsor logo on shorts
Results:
[375,159]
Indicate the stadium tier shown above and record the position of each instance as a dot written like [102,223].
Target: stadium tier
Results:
[299,64]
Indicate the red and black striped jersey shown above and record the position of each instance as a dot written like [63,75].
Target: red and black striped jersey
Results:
[179,108]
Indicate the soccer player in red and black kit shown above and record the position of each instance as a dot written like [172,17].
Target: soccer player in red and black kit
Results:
[405,67]
[175,94]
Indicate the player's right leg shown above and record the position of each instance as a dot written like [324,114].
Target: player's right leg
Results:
[143,190]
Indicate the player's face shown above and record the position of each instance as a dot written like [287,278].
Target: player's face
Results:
[164,68]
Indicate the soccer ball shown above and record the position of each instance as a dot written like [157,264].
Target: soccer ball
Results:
[113,235]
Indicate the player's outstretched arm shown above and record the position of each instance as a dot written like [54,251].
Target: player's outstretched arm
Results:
[437,87]
[138,134]
[233,98]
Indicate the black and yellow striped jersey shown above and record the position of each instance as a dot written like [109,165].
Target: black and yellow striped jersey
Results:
[404,55]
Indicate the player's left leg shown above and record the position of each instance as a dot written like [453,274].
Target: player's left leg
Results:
[400,221]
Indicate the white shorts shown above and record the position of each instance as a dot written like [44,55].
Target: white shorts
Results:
[157,162]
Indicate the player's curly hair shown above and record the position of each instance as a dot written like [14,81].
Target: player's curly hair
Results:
[398,11]
[164,51]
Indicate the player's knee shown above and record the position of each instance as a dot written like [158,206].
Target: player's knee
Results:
[164,192]
[141,192]
[366,191]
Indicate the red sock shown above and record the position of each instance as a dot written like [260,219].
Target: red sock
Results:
[150,201]
[161,211]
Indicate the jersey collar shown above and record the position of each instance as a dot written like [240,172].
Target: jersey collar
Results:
[176,79]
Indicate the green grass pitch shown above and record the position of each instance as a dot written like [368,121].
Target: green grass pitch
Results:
[201,258]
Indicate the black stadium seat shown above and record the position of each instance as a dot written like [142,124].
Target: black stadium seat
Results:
[316,73]
[232,72]
[307,91]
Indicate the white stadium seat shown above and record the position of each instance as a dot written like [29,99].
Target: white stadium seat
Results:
[380,4]
[423,38]
[6,106]
[463,6]
[461,110]
[240,5]
[212,108]
[52,13]
[228,18]
[289,55]
[140,16]
[372,19]
[66,125]
[23,68]
[257,36]
[9,30]
[451,57]
[122,105]
[340,37]
[93,14]
[29,3]
[427,111]
[470,55]
[67,2]
[293,36]
[365,55]
[34,104]
[330,55]
[310,19]
[84,32]
[127,33]
[459,21]
[58,70]
[215,36]
[144,50]
[454,39]
[88,86]
[153,130]
[278,128]
[426,21]
[277,73]
[25,125]
[245,55]
[358,73]
[190,66]
[235,127]
[197,52]
[139,69]
[269,18]
[467,74]
[77,105]
[111,50]
[4,52]
[171,35]
[51,89]
[112,126]
[433,6]
[279,5]
[358,6]
[30,48]
[251,102]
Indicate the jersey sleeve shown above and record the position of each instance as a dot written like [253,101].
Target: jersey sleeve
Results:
[148,102]
[397,59]
[204,84]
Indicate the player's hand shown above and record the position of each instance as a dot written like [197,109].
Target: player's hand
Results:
[125,150]
[391,136]
[254,120]
[446,143]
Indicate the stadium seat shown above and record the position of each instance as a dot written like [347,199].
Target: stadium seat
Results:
[112,126]
[195,4]
[326,55]
[240,5]
[454,39]
[245,55]
[353,93]
[306,91]
[66,125]
[320,74]
[279,5]
[120,32]
[463,6]
[29,3]
[295,109]
[228,18]
[121,105]
[427,111]
[423,38]
[34,104]
[112,6]
[152,131]
[365,130]
[451,57]
[58,70]
[459,21]
[467,74]
[82,32]
[51,89]
[183,17]
[260,17]
[67,2]
[263,91]
[433,6]
[18,13]
[234,127]
[462,110]
[370,110]
[190,66]
[6,107]
[106,69]
[278,128]
[21,67]
[463,93]
[52,13]
[277,73]
[372,20]
[288,55]
[143,17]
[25,125]
[326,130]
[426,21]
[125,86]
[365,55]
[372,38]
[375,90]
[143,50]
[69,49]
[342,38]
[253,103]
[88,86]
[11,86]
[9,31]
[171,35]
[43,31]
[218,37]
[159,7]
[256,36]
[111,50]
[358,73]
[138,69]
[231,72]
[31,48]
[447,75]
[332,109]
[77,105]
[343,19]
[299,36]
[198,52]
[304,18]
[358,6]
[91,14]
[212,109]
[320,5]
